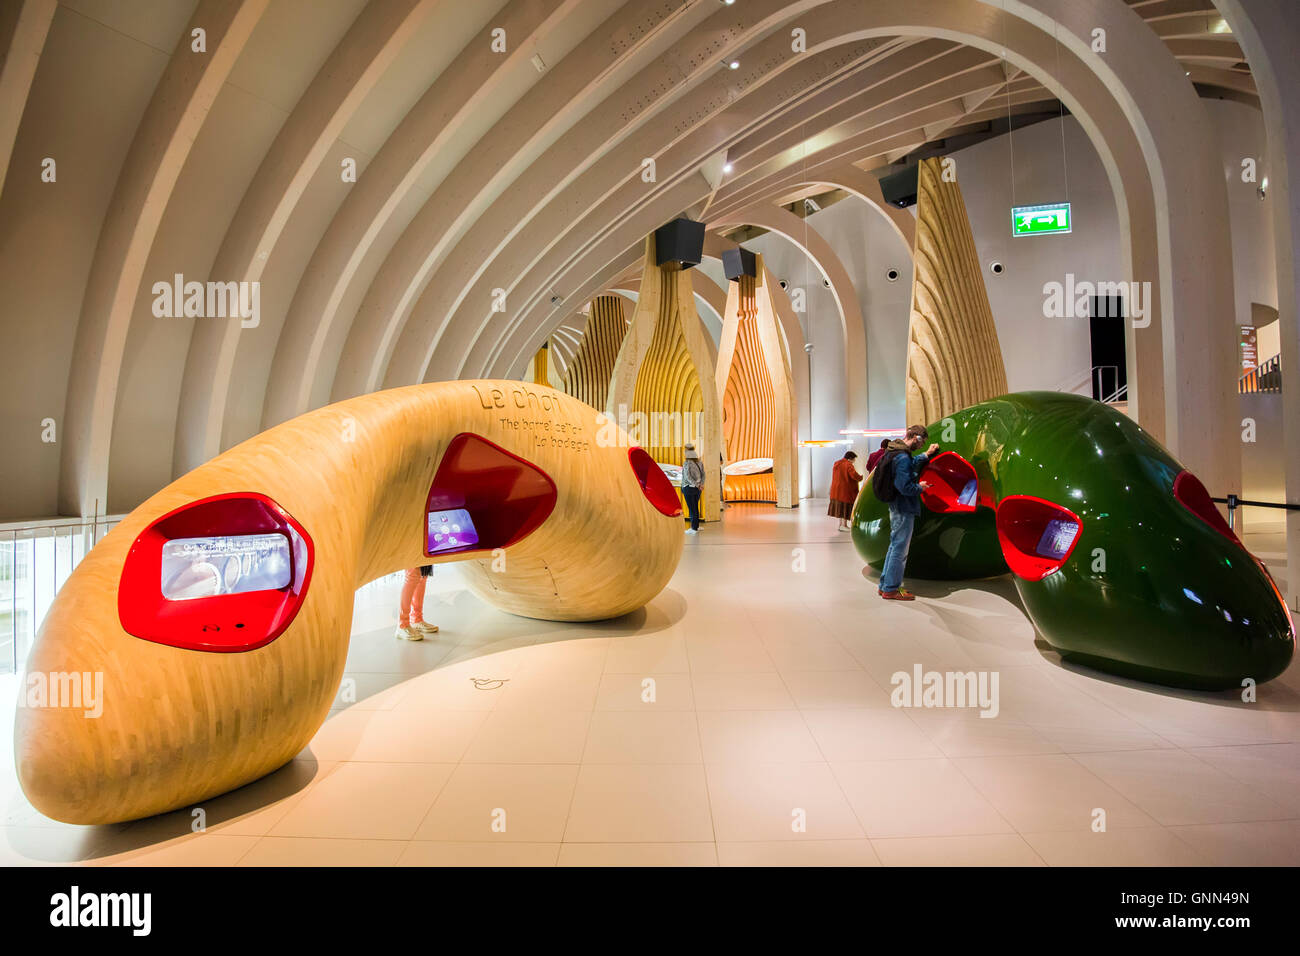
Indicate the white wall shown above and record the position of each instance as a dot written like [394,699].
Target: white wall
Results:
[868,247]
[1030,167]
[1240,129]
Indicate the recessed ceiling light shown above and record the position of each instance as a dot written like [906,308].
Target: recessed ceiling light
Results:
[726,167]
[734,64]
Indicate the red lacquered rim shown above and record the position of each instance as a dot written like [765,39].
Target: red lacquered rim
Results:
[1025,563]
[224,623]
[656,487]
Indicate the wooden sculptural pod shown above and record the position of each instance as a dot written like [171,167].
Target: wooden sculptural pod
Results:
[756,393]
[588,375]
[202,696]
[662,370]
[953,356]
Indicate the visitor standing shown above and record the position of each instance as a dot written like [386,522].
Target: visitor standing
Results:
[844,489]
[692,485]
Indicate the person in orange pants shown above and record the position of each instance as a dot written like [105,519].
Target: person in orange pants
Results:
[411,625]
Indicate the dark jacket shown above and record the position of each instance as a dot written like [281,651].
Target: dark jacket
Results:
[907,467]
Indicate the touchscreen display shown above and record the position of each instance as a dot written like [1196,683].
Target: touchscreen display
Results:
[967,496]
[450,530]
[1057,538]
[231,564]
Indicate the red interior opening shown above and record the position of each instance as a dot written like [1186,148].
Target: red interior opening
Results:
[1191,494]
[228,622]
[507,498]
[1037,536]
[953,486]
[656,487]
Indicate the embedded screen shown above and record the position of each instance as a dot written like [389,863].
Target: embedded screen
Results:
[967,496]
[450,530]
[229,564]
[1057,538]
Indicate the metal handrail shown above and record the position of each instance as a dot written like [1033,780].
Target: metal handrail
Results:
[1095,381]
[1265,377]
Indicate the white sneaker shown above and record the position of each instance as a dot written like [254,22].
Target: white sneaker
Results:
[692,531]
[424,627]
[408,634]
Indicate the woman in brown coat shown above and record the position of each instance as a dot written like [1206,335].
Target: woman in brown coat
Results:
[844,489]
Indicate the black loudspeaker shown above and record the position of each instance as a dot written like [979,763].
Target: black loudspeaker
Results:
[681,241]
[739,262]
[899,189]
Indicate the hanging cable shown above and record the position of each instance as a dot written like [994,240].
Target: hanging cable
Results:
[1011,139]
[807,289]
[1065,163]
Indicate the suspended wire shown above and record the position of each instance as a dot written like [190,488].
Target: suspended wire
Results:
[807,288]
[1065,163]
[1011,139]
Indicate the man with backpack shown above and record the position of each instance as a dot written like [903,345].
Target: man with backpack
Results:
[895,482]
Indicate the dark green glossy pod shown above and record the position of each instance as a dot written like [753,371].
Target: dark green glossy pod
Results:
[1138,575]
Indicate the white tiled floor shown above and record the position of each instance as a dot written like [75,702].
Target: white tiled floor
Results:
[743,718]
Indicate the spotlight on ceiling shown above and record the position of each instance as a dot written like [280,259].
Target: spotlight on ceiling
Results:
[727,167]
[727,3]
[734,65]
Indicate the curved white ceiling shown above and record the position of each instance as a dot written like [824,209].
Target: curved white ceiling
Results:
[488,164]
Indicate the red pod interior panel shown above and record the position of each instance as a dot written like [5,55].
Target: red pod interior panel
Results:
[226,573]
[656,487]
[1191,494]
[1037,536]
[484,497]
[953,486]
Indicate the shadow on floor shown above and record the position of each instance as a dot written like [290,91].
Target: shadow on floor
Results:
[104,841]
[1277,697]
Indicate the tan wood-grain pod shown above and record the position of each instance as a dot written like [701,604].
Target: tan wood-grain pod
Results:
[179,726]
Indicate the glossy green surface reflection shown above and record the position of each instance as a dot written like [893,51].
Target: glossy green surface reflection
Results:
[1151,590]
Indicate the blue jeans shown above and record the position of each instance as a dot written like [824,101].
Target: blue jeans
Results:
[900,539]
[692,496]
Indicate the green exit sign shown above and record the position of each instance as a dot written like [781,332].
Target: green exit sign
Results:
[1040,220]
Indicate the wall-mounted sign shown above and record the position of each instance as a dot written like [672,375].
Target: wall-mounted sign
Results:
[1040,220]
[1248,346]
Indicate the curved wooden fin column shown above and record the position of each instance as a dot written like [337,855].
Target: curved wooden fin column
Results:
[659,373]
[179,725]
[953,356]
[756,393]
[588,376]
[539,373]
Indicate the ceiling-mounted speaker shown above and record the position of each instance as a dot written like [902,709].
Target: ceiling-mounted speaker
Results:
[680,241]
[899,189]
[739,262]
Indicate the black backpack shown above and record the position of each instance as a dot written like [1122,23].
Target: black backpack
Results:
[882,479]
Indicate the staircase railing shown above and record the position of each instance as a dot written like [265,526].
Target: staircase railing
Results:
[1263,378]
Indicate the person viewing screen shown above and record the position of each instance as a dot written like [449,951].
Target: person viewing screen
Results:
[411,625]
[844,489]
[896,483]
[874,458]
